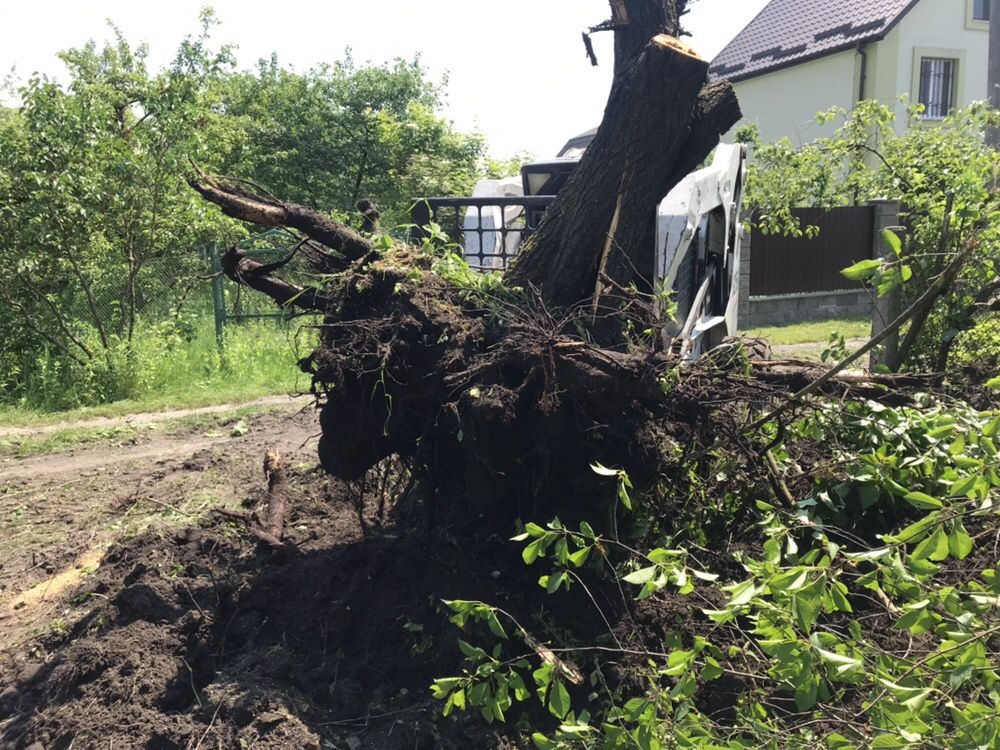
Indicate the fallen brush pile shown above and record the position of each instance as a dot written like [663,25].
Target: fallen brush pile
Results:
[827,582]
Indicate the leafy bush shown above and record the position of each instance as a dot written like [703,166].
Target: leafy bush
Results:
[943,175]
[176,360]
[865,615]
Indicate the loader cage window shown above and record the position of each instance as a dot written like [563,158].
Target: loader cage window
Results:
[489,231]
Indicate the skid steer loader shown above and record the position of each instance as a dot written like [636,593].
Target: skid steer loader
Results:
[697,235]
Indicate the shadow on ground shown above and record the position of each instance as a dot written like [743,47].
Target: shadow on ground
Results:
[205,638]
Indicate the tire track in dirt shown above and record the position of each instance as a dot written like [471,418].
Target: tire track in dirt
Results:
[53,464]
[147,418]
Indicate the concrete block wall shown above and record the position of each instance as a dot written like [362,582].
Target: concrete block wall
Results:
[787,309]
[744,306]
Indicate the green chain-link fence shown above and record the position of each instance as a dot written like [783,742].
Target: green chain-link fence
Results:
[233,303]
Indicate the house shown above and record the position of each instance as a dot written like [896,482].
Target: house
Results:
[800,57]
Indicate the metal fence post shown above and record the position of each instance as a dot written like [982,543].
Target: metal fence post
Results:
[218,295]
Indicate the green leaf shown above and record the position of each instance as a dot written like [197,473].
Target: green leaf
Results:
[959,542]
[839,598]
[934,547]
[559,702]
[742,593]
[624,496]
[641,576]
[805,693]
[861,270]
[893,242]
[531,553]
[664,556]
[916,701]
[922,500]
[888,742]
[542,742]
[444,685]
[963,486]
[470,651]
[806,605]
[792,580]
[994,383]
[493,623]
[837,741]
[555,581]
[712,670]
[579,557]
[840,662]
[678,663]
[916,531]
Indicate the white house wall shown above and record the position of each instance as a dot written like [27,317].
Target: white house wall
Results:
[938,27]
[785,102]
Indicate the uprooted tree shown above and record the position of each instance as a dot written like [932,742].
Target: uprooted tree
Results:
[505,392]
[486,388]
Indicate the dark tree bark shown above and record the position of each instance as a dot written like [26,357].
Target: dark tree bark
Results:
[662,119]
[635,22]
[244,270]
[268,212]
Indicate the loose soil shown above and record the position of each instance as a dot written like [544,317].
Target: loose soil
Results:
[138,608]
[138,611]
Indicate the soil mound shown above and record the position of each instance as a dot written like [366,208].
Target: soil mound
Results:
[207,638]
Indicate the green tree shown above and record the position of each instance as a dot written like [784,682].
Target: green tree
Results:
[342,132]
[101,231]
[945,177]
[93,205]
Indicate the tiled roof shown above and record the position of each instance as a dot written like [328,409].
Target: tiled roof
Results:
[788,31]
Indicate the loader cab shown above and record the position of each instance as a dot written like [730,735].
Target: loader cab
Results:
[545,178]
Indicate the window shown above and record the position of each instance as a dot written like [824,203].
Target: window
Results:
[980,10]
[937,86]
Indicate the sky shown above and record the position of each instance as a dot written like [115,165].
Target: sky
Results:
[517,70]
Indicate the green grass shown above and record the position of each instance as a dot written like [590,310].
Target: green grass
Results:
[62,440]
[811,333]
[22,446]
[163,373]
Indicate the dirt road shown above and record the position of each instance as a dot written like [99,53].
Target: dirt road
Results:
[60,510]
[148,418]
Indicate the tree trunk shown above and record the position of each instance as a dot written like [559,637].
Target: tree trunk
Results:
[661,121]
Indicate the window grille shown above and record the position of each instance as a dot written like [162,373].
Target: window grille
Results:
[937,86]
